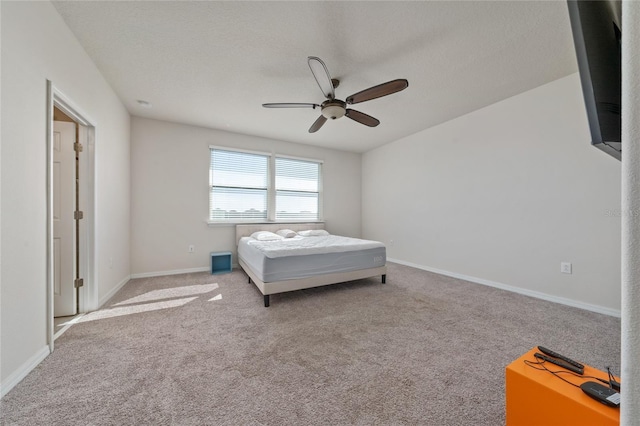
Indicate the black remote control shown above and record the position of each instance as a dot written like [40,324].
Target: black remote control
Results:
[560,363]
[562,357]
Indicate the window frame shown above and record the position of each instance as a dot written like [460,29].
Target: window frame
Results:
[271,188]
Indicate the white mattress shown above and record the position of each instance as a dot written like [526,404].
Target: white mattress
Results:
[303,257]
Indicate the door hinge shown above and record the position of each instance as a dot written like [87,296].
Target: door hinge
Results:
[78,282]
[77,147]
[78,214]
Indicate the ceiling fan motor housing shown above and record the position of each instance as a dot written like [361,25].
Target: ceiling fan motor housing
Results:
[333,108]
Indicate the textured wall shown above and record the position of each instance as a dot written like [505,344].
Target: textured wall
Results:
[170,198]
[504,195]
[36,46]
[630,404]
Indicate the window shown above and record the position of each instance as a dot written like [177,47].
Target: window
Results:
[297,189]
[256,187]
[238,186]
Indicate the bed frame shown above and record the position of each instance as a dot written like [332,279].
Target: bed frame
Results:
[274,287]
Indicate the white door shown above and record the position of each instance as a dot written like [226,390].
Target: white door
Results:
[64,191]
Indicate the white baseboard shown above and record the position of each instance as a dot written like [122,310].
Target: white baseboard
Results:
[104,299]
[22,371]
[539,295]
[173,272]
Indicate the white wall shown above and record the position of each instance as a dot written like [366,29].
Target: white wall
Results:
[170,193]
[36,46]
[630,403]
[502,196]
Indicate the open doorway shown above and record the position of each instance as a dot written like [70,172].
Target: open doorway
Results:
[70,214]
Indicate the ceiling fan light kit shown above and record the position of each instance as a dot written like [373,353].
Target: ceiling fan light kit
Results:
[335,108]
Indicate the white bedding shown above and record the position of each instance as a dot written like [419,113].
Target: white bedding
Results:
[302,257]
[299,246]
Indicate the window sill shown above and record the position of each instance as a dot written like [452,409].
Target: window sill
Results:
[212,224]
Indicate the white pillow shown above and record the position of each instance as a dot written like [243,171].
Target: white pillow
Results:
[266,236]
[286,233]
[313,233]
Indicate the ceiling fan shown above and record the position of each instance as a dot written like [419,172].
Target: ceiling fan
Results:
[334,108]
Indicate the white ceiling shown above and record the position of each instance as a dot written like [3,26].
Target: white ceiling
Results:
[214,64]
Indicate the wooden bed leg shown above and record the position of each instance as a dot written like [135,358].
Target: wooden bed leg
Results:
[384,278]
[266,300]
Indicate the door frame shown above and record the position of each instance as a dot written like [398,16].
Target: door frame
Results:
[88,293]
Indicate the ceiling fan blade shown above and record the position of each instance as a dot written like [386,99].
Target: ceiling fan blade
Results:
[290,105]
[321,74]
[317,124]
[361,117]
[378,91]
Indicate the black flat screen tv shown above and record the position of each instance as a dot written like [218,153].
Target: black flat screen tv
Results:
[597,32]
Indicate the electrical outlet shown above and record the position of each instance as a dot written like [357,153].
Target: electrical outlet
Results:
[192,248]
[565,267]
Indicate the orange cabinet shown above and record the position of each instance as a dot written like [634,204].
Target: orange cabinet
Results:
[537,397]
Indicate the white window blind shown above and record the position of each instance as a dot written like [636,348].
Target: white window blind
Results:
[238,186]
[297,189]
[255,187]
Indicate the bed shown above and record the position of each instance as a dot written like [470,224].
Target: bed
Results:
[308,261]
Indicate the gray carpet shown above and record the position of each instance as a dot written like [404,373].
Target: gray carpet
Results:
[422,349]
